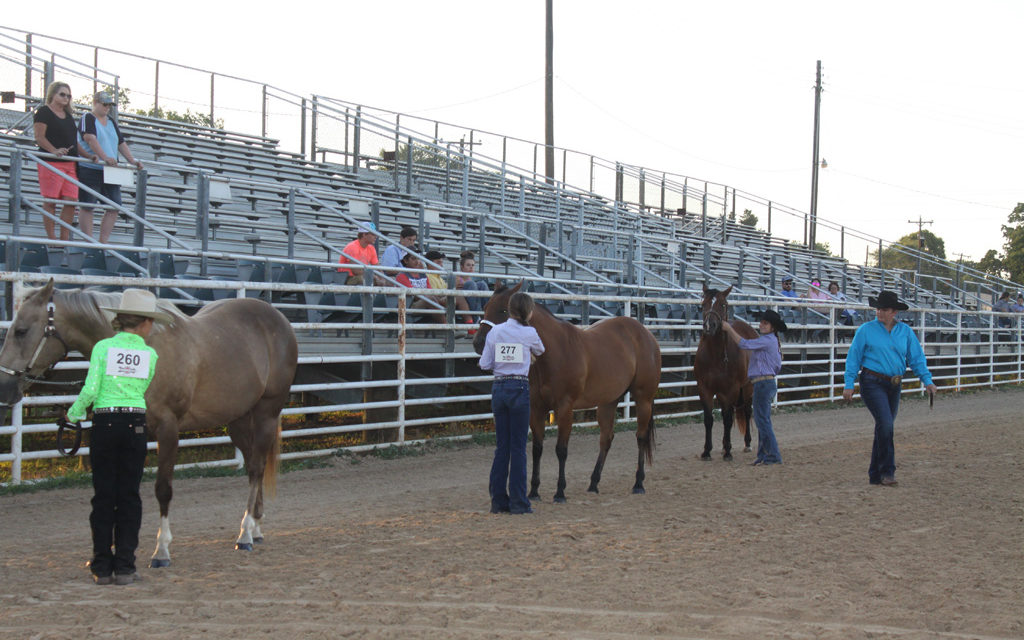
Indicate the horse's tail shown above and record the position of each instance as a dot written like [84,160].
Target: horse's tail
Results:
[743,411]
[647,444]
[273,459]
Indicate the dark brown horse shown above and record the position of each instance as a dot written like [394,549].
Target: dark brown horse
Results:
[720,368]
[231,364]
[581,369]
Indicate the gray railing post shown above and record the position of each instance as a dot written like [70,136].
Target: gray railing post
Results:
[682,264]
[141,185]
[769,217]
[375,215]
[398,127]
[480,254]
[302,129]
[212,83]
[291,223]
[465,179]
[356,137]
[203,219]
[522,196]
[14,192]
[263,114]
[312,130]
[643,189]
[408,166]
[541,253]
[704,216]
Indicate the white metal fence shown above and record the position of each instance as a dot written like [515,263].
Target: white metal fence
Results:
[965,349]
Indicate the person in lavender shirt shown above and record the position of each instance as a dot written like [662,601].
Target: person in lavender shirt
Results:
[765,364]
[508,351]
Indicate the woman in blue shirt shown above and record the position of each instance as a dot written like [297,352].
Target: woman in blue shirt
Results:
[881,351]
[765,364]
[101,141]
[507,351]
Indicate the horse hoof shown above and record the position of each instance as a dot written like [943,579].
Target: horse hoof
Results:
[638,490]
[746,449]
[243,546]
[705,457]
[158,563]
[593,489]
[258,540]
[727,456]
[559,499]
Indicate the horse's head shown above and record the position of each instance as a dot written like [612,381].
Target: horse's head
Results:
[495,312]
[32,345]
[715,309]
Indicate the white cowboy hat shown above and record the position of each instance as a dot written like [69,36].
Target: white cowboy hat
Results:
[139,302]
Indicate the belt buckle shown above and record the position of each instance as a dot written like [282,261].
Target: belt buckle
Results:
[896,380]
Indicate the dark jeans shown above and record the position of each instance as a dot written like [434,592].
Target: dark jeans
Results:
[883,401]
[510,401]
[117,450]
[93,178]
[767,446]
[475,303]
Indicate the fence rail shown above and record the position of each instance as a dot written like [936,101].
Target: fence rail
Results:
[965,349]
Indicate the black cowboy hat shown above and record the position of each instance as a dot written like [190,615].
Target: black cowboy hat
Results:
[774,319]
[887,300]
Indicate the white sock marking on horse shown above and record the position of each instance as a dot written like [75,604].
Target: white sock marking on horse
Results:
[163,540]
[245,535]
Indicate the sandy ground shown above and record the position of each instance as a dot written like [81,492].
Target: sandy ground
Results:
[406,548]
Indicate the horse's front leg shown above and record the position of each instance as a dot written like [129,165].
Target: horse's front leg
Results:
[707,403]
[167,453]
[538,420]
[606,421]
[727,414]
[563,415]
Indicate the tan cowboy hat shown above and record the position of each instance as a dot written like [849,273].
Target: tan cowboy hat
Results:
[139,302]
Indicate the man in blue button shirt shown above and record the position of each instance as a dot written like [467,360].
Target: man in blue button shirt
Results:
[881,351]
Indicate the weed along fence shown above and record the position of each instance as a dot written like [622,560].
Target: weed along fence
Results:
[374,371]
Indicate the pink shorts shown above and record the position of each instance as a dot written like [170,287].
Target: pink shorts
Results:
[56,185]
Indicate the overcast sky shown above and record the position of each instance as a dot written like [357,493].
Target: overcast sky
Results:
[921,114]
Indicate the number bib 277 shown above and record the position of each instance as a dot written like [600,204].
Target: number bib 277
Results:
[129,363]
[508,352]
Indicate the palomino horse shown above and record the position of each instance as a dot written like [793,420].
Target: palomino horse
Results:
[232,363]
[720,368]
[580,369]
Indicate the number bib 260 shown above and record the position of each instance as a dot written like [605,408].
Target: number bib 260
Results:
[129,363]
[508,352]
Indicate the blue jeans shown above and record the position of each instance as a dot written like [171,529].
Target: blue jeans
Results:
[510,401]
[883,401]
[767,447]
[475,303]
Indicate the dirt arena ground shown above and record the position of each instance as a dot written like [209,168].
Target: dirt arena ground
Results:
[406,548]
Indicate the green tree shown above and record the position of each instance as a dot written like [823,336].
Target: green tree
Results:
[903,254]
[422,156]
[200,119]
[1012,260]
[748,219]
[991,264]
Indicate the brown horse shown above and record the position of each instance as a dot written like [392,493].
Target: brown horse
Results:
[581,369]
[232,363]
[720,368]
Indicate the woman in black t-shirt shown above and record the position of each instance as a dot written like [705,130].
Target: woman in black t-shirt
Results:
[55,132]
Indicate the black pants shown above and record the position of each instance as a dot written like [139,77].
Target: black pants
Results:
[117,450]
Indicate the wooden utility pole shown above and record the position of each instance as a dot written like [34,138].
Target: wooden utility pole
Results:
[549,92]
[813,221]
[920,237]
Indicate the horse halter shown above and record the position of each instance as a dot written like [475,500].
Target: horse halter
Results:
[50,331]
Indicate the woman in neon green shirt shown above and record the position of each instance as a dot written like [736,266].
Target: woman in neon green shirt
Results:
[120,370]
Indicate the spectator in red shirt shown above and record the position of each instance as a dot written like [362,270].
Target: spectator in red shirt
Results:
[363,250]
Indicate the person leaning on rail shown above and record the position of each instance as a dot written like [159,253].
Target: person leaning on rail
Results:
[100,139]
[881,351]
[54,127]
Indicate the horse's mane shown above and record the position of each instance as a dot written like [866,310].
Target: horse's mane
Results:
[86,303]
